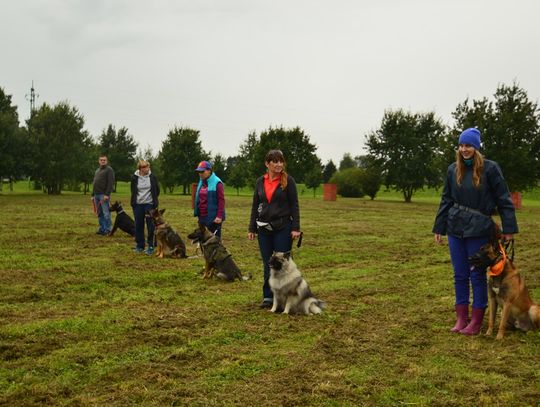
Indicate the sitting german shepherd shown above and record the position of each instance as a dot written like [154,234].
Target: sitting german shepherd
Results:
[506,289]
[169,243]
[122,220]
[216,256]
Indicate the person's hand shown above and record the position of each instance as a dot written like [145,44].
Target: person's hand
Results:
[507,236]
[105,197]
[438,238]
[218,220]
[295,234]
[251,235]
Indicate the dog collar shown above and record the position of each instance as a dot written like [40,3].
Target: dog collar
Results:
[497,268]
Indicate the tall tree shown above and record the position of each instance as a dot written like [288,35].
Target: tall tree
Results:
[299,152]
[218,166]
[510,128]
[237,173]
[313,179]
[12,159]
[347,162]
[180,152]
[58,144]
[121,150]
[404,148]
[328,171]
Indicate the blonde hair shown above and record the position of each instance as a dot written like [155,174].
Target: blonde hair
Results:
[143,163]
[478,168]
[277,156]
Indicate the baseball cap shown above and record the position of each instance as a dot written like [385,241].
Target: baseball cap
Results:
[203,166]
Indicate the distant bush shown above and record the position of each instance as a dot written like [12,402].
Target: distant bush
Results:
[349,182]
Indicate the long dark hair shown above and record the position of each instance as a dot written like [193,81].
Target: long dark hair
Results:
[478,167]
[277,156]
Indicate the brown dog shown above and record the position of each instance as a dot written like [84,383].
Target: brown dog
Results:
[169,243]
[506,289]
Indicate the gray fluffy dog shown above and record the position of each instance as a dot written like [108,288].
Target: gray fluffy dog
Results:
[291,291]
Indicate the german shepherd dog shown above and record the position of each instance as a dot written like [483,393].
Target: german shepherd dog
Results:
[169,243]
[291,292]
[508,290]
[218,261]
[122,220]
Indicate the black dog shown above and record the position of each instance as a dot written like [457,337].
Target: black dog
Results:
[122,221]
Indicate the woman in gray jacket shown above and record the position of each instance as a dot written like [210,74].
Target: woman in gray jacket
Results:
[144,196]
[473,189]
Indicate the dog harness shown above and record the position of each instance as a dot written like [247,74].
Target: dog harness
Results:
[498,267]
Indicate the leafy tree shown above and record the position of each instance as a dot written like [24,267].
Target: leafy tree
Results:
[349,182]
[12,141]
[328,171]
[313,179]
[404,148]
[121,150]
[347,162]
[510,130]
[372,175]
[58,144]
[236,173]
[218,166]
[180,152]
[299,152]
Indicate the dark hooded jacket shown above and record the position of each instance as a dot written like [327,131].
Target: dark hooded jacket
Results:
[465,211]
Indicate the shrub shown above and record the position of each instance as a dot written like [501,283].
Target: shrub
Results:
[349,182]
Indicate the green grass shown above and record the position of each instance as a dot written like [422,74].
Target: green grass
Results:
[85,321]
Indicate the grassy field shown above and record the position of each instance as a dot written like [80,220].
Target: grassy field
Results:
[85,321]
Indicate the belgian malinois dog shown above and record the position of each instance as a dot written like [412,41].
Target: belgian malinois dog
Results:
[218,261]
[169,243]
[122,220]
[506,288]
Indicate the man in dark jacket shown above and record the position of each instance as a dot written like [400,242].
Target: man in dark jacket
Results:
[101,195]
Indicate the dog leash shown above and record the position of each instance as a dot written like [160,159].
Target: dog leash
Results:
[508,246]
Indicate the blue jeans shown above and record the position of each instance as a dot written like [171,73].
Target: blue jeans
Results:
[215,228]
[139,213]
[270,242]
[103,213]
[460,250]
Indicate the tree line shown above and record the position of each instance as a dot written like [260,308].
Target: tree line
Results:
[408,152]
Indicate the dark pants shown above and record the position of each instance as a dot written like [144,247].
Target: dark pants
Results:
[270,242]
[464,277]
[139,213]
[215,228]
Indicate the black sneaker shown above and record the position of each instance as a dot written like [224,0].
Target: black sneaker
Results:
[266,304]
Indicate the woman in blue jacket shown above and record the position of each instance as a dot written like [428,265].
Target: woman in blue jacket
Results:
[210,199]
[473,189]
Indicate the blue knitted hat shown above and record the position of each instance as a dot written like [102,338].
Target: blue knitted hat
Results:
[470,136]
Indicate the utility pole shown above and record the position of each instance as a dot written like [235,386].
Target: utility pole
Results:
[32,99]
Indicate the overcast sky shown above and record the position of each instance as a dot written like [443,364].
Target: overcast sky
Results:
[230,67]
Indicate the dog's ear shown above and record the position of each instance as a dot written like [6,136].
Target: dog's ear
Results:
[287,255]
[161,211]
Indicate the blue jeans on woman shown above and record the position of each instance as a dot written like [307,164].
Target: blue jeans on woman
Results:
[464,276]
[103,213]
[139,213]
[270,242]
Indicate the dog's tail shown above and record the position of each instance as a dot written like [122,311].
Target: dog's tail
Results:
[316,306]
[246,278]
[534,314]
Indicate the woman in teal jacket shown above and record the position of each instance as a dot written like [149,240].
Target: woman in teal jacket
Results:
[210,198]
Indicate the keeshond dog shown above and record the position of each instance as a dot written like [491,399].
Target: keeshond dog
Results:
[291,291]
